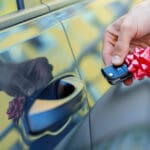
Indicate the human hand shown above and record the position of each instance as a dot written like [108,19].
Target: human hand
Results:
[23,79]
[130,31]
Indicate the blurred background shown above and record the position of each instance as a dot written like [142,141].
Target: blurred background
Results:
[70,38]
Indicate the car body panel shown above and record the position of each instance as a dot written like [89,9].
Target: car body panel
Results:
[71,39]
[43,37]
[85,31]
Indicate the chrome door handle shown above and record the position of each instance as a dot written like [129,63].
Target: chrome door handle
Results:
[57,102]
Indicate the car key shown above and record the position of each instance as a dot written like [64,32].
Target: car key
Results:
[116,74]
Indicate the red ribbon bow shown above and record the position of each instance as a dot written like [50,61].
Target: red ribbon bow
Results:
[15,109]
[139,63]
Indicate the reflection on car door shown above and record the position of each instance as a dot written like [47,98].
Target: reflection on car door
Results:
[64,99]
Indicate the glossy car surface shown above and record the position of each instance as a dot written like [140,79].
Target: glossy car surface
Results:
[69,35]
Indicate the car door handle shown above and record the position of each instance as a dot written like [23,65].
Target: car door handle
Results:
[57,102]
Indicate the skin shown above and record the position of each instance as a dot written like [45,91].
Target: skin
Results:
[129,31]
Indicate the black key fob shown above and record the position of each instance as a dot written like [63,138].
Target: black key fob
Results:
[115,74]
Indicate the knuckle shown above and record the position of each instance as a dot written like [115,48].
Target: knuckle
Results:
[127,26]
[120,47]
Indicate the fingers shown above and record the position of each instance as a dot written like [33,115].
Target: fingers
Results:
[116,42]
[25,85]
[19,86]
[25,78]
[38,71]
[117,39]
[121,49]
[108,47]
[128,81]
[110,39]
[43,73]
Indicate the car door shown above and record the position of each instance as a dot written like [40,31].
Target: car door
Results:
[70,38]
[63,102]
[84,30]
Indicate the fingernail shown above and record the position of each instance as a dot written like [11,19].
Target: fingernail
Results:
[116,59]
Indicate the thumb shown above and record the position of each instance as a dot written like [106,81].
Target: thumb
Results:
[121,48]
